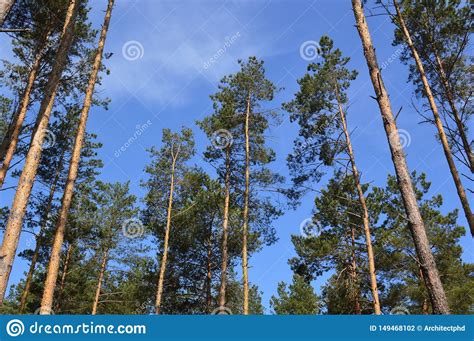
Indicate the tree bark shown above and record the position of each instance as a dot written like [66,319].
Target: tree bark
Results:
[103,266]
[63,278]
[10,142]
[415,221]
[40,236]
[246,211]
[53,267]
[5,7]
[439,124]
[25,184]
[365,212]
[225,224]
[354,276]
[161,278]
[209,276]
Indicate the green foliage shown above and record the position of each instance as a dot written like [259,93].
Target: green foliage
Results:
[298,299]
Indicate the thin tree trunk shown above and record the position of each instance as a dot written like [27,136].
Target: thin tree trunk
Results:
[439,124]
[53,267]
[354,276]
[103,266]
[425,306]
[10,142]
[25,184]
[225,223]
[63,278]
[415,221]
[161,278]
[5,7]
[209,276]
[365,212]
[455,112]
[246,210]
[40,236]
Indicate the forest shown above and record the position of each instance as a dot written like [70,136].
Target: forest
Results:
[180,236]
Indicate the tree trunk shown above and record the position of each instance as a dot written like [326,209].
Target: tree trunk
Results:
[25,184]
[365,212]
[103,266]
[209,276]
[40,236]
[53,267]
[161,278]
[10,142]
[5,7]
[63,278]
[439,125]
[455,113]
[354,276]
[225,224]
[415,221]
[246,210]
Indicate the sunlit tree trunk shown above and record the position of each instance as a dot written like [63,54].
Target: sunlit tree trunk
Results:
[415,221]
[103,267]
[439,124]
[164,259]
[365,212]
[225,223]
[354,276]
[246,211]
[10,142]
[62,284]
[25,184]
[209,276]
[5,7]
[53,266]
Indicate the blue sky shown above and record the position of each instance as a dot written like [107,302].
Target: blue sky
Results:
[169,80]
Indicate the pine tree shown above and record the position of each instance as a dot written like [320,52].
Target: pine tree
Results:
[298,299]
[416,225]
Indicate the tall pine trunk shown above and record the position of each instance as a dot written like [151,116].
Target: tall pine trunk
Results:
[41,234]
[439,124]
[10,142]
[225,224]
[53,267]
[209,275]
[5,7]
[415,221]
[246,210]
[354,276]
[25,184]
[365,212]
[103,267]
[164,259]
[62,284]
